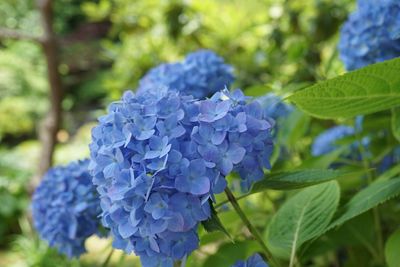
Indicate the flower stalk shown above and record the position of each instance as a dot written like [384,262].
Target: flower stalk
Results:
[107,261]
[252,229]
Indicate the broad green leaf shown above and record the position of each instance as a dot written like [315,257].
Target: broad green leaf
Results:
[296,179]
[214,223]
[364,91]
[396,123]
[301,218]
[367,199]
[392,249]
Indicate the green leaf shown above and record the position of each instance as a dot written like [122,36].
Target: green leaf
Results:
[364,91]
[214,224]
[396,123]
[367,199]
[301,218]
[392,247]
[296,179]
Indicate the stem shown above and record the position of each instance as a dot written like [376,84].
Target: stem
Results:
[107,261]
[377,220]
[330,62]
[250,226]
[293,258]
[271,201]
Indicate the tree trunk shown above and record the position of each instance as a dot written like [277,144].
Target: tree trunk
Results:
[51,123]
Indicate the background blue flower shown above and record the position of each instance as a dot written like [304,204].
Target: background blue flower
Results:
[65,208]
[200,74]
[330,139]
[253,261]
[156,182]
[326,141]
[371,34]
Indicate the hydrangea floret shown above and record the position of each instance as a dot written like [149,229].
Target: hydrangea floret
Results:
[200,74]
[371,34]
[253,261]
[158,158]
[66,208]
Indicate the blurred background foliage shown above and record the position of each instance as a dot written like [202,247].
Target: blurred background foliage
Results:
[107,46]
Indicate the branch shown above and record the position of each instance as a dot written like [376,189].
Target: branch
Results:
[18,35]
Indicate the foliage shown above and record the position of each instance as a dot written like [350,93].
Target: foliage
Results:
[301,218]
[328,197]
[22,89]
[13,197]
[149,32]
[368,90]
[392,244]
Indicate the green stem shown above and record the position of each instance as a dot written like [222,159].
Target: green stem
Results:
[253,230]
[107,261]
[330,62]
[377,220]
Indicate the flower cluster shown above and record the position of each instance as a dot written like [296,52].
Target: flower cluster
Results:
[200,74]
[158,158]
[65,208]
[371,34]
[253,261]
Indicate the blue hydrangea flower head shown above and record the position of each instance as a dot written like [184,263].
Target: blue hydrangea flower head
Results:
[200,74]
[253,261]
[65,208]
[158,158]
[371,34]
[325,142]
